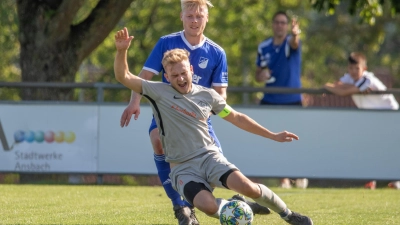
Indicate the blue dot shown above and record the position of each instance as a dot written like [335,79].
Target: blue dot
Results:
[19,136]
[29,136]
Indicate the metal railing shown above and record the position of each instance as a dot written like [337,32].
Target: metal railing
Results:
[101,87]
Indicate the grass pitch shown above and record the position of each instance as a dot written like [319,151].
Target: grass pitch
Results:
[68,204]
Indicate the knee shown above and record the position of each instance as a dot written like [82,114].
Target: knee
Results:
[207,206]
[156,142]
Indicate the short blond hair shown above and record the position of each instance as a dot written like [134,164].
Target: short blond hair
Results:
[190,4]
[174,56]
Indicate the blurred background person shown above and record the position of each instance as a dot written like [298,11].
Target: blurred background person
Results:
[279,65]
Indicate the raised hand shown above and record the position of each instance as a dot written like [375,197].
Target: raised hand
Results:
[295,27]
[122,39]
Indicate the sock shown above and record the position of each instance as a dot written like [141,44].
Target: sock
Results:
[271,200]
[220,202]
[284,215]
[163,170]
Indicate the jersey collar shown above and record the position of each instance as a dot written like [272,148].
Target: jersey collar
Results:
[191,47]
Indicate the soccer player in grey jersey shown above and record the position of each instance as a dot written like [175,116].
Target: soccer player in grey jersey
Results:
[181,110]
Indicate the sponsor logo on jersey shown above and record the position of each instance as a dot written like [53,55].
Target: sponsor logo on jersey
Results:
[203,62]
[184,111]
[196,79]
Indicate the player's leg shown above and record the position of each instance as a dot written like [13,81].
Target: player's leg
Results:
[257,209]
[202,198]
[183,213]
[236,181]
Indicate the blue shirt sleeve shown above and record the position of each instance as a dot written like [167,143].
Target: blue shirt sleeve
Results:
[153,62]
[220,74]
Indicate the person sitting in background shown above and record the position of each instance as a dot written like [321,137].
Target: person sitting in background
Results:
[357,82]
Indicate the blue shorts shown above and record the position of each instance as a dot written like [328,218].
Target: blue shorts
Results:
[153,125]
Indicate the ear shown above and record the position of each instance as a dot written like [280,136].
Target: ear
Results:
[166,76]
[181,16]
[191,69]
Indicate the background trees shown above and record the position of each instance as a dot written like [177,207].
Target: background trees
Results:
[328,36]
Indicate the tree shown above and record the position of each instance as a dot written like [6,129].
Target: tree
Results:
[53,46]
[368,10]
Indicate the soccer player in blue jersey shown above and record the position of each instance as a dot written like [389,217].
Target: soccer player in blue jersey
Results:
[279,61]
[210,70]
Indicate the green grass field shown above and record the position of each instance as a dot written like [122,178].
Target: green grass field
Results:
[68,204]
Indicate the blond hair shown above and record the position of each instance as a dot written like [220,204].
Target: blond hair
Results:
[357,58]
[191,4]
[174,56]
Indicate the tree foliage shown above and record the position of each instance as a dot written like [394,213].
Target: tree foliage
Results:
[237,26]
[368,10]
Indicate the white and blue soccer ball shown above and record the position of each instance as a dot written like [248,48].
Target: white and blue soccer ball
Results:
[236,212]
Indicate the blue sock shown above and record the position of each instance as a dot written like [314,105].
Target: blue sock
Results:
[164,169]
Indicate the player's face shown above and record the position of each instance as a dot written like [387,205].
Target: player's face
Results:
[180,76]
[280,25]
[194,20]
[356,70]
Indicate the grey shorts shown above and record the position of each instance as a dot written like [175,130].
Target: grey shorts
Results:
[206,169]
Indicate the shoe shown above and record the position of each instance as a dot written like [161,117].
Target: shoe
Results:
[298,219]
[184,215]
[193,217]
[370,185]
[256,208]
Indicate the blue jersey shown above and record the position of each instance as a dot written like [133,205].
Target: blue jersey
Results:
[285,66]
[207,58]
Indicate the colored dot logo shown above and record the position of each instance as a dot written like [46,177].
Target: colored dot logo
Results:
[40,136]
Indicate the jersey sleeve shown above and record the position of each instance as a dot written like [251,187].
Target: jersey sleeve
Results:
[153,62]
[258,59]
[220,73]
[152,89]
[363,83]
[218,102]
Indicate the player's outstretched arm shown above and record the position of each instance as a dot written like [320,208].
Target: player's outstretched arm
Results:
[246,123]
[121,69]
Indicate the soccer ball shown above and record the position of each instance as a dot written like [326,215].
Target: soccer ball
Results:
[236,212]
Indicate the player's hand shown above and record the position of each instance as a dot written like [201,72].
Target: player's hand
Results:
[122,39]
[295,27]
[285,136]
[127,114]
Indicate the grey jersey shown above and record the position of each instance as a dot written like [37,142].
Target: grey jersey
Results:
[182,119]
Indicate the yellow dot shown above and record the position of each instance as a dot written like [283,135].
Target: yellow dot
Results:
[69,137]
[59,137]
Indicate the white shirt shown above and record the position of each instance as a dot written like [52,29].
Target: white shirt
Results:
[370,101]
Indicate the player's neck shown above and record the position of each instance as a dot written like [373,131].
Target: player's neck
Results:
[278,40]
[194,40]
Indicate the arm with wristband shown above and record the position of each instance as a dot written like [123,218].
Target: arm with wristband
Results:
[246,123]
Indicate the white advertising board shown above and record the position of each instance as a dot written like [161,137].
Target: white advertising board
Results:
[48,138]
[334,143]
